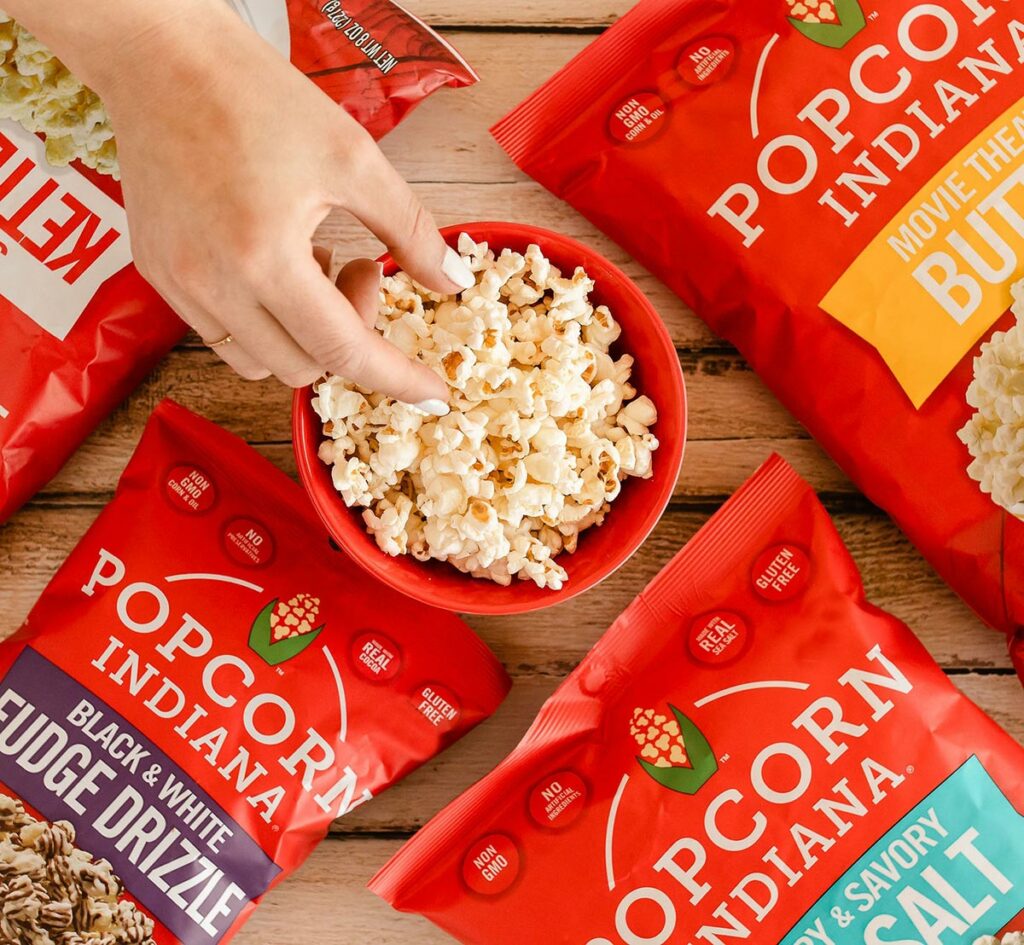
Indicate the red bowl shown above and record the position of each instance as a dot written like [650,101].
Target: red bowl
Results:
[633,515]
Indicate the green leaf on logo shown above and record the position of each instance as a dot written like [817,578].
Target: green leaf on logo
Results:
[702,760]
[274,654]
[835,35]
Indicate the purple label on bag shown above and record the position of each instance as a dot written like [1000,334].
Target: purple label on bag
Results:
[71,757]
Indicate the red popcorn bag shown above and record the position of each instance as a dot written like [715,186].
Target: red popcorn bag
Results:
[372,56]
[203,687]
[753,752]
[838,190]
[79,324]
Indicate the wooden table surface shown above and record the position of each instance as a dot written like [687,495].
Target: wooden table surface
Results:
[445,151]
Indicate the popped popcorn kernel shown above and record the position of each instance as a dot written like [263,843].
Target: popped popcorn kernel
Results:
[544,425]
[994,436]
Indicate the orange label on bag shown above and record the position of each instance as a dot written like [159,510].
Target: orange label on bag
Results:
[936,278]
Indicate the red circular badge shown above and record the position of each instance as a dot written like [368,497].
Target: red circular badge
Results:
[190,489]
[376,657]
[718,637]
[781,572]
[248,542]
[437,704]
[491,865]
[641,117]
[558,800]
[707,60]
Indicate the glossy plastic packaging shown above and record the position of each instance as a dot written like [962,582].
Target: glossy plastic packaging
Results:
[202,688]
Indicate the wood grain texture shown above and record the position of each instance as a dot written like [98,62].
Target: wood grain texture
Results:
[445,150]
[552,641]
[532,14]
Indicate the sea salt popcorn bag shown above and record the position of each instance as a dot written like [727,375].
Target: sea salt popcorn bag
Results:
[752,752]
[544,426]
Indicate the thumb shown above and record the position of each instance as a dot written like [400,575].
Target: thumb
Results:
[386,205]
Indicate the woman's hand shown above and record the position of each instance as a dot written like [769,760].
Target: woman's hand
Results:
[230,160]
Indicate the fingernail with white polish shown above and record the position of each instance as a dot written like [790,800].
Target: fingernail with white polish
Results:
[455,268]
[435,408]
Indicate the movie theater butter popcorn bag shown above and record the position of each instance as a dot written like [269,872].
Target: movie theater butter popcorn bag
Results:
[203,687]
[752,753]
[79,326]
[836,187]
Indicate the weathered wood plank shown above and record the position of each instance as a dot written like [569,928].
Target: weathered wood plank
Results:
[34,544]
[448,138]
[532,14]
[726,402]
[327,902]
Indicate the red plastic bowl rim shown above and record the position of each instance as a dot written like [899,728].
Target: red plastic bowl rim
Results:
[308,461]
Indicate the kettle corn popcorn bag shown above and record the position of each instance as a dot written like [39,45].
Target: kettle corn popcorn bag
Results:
[80,327]
[203,687]
[753,752]
[838,189]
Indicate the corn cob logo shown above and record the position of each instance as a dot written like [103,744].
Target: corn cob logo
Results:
[673,751]
[284,629]
[830,23]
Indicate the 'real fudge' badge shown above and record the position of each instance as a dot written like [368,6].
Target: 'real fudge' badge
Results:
[437,704]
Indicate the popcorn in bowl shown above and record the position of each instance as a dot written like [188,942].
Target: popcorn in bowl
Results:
[544,425]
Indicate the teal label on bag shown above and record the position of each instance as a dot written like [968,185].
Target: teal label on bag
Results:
[951,870]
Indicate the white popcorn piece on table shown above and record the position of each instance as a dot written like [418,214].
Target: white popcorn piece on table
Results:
[995,434]
[544,427]
[38,92]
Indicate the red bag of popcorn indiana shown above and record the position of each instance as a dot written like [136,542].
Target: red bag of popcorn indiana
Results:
[838,189]
[751,753]
[203,687]
[80,327]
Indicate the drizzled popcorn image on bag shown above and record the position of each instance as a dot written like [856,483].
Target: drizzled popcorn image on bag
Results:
[52,892]
[545,427]
[842,201]
[202,688]
[81,325]
[995,434]
[832,787]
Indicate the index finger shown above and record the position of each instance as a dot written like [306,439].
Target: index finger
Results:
[325,324]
